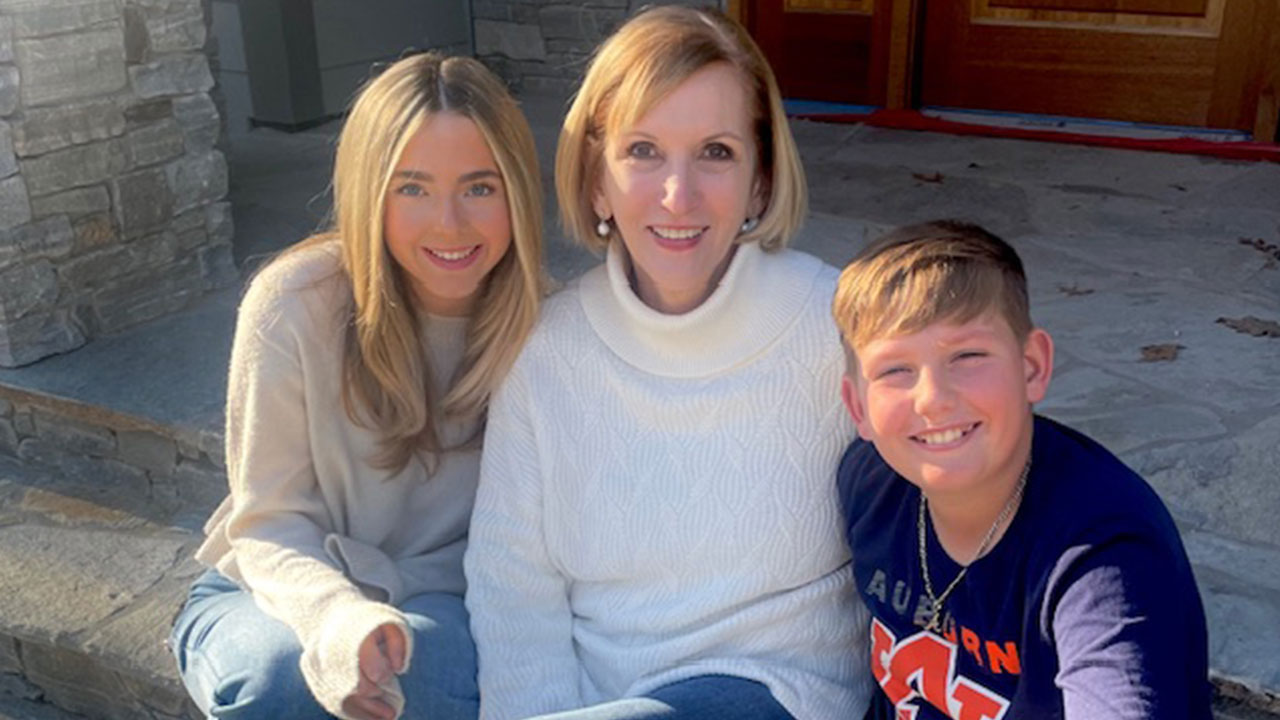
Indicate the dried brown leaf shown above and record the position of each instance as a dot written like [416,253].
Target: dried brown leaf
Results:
[933,177]
[1161,353]
[1251,325]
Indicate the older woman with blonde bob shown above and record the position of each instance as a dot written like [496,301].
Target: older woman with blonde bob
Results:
[362,367]
[656,531]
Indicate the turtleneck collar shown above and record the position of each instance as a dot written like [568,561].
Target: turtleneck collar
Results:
[758,298]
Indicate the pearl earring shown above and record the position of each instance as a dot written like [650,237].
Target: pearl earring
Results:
[750,224]
[602,228]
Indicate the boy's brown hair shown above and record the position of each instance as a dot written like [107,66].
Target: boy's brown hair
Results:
[918,275]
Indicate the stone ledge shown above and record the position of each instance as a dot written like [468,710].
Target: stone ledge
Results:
[87,595]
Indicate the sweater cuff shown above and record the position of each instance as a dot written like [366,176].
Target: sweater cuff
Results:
[331,662]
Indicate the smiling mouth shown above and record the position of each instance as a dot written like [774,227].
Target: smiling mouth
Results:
[454,255]
[677,238]
[453,258]
[945,437]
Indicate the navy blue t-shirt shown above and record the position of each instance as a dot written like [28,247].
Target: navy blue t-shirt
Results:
[1086,608]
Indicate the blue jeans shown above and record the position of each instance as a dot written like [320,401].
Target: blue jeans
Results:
[706,697]
[238,662]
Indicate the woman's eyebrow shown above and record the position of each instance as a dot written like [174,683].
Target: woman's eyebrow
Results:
[479,174]
[466,177]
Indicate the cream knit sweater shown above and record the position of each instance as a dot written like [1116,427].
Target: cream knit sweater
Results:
[657,499]
[325,542]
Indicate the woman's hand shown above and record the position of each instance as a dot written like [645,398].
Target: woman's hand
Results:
[381,656]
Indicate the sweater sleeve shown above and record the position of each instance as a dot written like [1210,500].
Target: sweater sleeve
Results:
[518,600]
[1120,636]
[278,519]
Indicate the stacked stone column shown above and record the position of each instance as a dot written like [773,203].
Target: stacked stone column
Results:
[112,186]
[544,45]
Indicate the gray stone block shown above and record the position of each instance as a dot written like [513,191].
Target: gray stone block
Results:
[147,112]
[118,484]
[92,232]
[521,42]
[200,483]
[10,87]
[105,266]
[190,240]
[10,662]
[73,203]
[37,336]
[43,130]
[69,67]
[197,179]
[48,238]
[15,205]
[193,219]
[6,39]
[127,304]
[8,437]
[73,436]
[24,423]
[218,223]
[135,35]
[37,18]
[6,408]
[154,453]
[74,167]
[200,122]
[214,446]
[579,23]
[27,288]
[571,47]
[177,31]
[155,143]
[218,268]
[172,75]
[8,160]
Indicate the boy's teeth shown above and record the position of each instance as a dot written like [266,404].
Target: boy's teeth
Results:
[673,234]
[453,254]
[941,438]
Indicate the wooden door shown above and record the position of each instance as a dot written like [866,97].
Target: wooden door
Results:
[820,49]
[1203,63]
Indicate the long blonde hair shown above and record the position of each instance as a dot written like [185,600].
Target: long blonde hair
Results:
[386,379]
[647,58]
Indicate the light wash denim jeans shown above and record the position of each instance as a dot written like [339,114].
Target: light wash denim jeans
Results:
[238,662]
[706,697]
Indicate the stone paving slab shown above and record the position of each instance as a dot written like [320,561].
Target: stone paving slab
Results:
[87,595]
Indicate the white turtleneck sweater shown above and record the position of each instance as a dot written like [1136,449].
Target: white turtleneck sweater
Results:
[324,541]
[657,499]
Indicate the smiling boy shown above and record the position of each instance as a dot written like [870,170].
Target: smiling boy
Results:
[1013,567]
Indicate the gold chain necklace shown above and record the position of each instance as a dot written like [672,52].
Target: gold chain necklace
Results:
[936,601]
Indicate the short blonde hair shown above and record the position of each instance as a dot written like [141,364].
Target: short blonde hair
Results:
[918,275]
[386,382]
[647,58]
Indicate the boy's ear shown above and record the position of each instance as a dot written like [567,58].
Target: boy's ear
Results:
[852,403]
[1037,360]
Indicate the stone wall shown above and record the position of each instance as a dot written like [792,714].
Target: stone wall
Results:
[112,186]
[544,45]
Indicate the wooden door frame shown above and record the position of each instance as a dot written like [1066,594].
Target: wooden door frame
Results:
[895,32]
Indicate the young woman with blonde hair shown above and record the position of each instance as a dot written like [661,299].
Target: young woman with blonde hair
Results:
[360,375]
[656,531]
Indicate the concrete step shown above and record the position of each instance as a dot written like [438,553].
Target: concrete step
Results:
[88,592]
[20,700]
